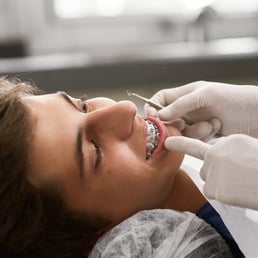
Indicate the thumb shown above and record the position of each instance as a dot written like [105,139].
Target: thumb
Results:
[193,147]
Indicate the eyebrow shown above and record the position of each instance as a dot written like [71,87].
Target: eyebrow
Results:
[78,143]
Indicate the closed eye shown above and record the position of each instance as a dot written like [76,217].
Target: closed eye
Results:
[84,105]
[98,154]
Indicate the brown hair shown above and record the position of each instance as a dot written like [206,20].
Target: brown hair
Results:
[33,222]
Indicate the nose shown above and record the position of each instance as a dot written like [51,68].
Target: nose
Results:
[114,120]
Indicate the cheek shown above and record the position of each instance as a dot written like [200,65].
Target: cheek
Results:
[125,179]
[135,178]
[124,167]
[124,171]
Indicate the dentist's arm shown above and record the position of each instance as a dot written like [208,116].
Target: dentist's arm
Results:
[230,168]
[236,107]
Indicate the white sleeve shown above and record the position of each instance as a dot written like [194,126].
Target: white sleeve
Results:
[243,228]
[242,223]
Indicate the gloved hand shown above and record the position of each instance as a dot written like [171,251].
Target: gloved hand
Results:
[236,107]
[230,168]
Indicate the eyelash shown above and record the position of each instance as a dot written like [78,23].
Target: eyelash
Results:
[98,153]
[84,104]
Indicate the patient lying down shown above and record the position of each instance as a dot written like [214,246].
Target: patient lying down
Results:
[82,167]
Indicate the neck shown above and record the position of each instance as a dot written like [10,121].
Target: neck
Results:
[184,195]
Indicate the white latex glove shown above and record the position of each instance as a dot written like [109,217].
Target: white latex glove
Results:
[236,107]
[230,168]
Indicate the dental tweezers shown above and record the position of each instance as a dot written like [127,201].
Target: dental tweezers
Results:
[155,105]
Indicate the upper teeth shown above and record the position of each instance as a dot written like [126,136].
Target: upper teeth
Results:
[152,137]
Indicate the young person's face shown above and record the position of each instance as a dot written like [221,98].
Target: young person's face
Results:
[98,157]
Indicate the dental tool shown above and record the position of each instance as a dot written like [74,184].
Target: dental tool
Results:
[148,101]
[155,105]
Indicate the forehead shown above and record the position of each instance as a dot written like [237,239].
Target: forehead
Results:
[53,135]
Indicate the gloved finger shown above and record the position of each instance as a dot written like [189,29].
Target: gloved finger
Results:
[215,140]
[167,96]
[183,105]
[161,97]
[216,126]
[179,124]
[193,147]
[203,171]
[150,111]
[216,123]
[198,130]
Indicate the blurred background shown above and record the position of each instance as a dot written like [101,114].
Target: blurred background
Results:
[104,47]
